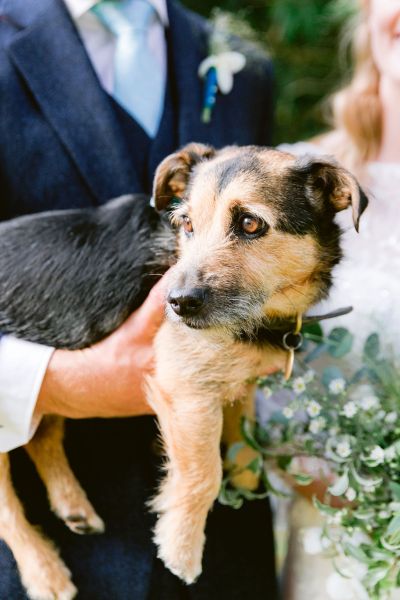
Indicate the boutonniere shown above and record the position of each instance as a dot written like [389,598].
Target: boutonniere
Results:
[219,67]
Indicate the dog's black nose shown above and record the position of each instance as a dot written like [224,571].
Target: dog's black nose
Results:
[187,302]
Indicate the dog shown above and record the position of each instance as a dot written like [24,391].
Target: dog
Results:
[253,243]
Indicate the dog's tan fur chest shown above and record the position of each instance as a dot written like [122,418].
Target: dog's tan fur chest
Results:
[211,363]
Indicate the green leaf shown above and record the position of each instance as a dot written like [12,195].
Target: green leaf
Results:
[394,527]
[341,484]
[356,552]
[283,462]
[316,353]
[313,331]
[375,575]
[389,545]
[341,342]
[372,346]
[359,375]
[262,435]
[324,508]
[365,481]
[340,571]
[380,554]
[331,373]
[255,465]
[302,478]
[395,489]
[364,514]
[249,495]
[278,418]
[233,450]
[247,431]
[230,496]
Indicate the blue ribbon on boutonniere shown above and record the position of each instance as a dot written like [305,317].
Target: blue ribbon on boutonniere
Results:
[217,71]
[210,94]
[218,68]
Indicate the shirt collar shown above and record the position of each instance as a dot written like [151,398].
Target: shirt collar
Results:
[78,8]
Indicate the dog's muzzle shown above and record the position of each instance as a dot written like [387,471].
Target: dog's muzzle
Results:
[187,302]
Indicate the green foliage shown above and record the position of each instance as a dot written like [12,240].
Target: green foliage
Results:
[353,424]
[341,342]
[302,39]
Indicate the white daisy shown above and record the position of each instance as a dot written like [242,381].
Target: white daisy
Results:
[343,449]
[313,408]
[288,412]
[317,425]
[299,385]
[312,540]
[391,417]
[351,494]
[390,453]
[377,454]
[349,409]
[337,386]
[368,402]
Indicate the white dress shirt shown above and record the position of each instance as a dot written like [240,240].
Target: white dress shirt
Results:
[23,364]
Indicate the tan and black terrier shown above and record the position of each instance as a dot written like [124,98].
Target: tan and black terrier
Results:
[257,242]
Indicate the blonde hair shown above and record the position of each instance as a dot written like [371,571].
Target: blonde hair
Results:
[356,112]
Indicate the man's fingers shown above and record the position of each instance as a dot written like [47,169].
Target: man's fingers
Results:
[148,317]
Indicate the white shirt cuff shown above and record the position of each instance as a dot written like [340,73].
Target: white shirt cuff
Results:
[22,368]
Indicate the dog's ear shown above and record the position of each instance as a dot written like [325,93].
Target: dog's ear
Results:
[172,175]
[327,181]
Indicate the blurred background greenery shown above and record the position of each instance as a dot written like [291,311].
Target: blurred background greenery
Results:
[302,37]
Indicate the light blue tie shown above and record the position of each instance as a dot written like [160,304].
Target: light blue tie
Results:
[138,80]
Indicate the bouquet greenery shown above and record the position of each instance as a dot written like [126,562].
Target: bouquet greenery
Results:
[351,420]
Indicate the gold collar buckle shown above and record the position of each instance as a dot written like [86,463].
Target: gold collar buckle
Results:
[292,341]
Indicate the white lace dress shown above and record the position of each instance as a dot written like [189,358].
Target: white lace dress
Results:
[368,279]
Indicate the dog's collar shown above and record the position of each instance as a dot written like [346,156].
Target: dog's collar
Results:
[286,333]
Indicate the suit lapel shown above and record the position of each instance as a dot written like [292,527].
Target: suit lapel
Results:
[189,46]
[51,58]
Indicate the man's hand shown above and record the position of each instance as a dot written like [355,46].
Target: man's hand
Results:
[106,380]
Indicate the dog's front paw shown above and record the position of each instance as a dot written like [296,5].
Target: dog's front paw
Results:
[77,513]
[84,523]
[180,544]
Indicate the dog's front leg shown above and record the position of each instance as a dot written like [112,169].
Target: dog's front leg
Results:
[67,498]
[191,427]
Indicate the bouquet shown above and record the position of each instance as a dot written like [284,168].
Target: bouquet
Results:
[350,420]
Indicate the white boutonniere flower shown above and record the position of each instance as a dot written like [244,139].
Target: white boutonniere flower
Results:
[218,70]
[226,65]
[220,66]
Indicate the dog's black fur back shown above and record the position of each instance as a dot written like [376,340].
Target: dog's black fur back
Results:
[69,278]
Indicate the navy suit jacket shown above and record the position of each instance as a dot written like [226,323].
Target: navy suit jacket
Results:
[60,147]
[60,143]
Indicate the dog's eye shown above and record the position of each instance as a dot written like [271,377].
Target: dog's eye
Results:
[251,226]
[187,224]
